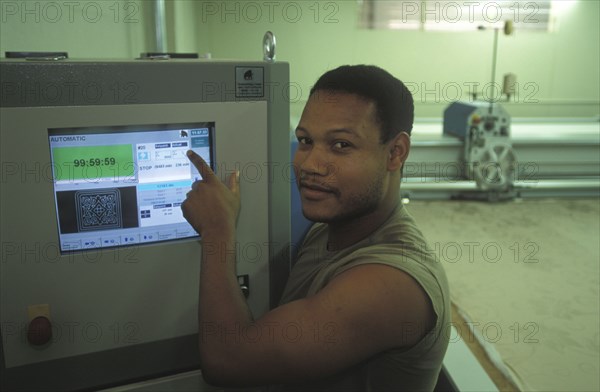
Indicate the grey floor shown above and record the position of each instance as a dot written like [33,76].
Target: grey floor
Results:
[526,274]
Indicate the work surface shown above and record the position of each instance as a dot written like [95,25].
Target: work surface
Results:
[526,274]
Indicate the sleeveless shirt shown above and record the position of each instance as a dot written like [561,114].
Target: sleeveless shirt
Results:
[400,244]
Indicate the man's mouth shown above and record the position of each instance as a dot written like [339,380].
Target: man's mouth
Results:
[315,191]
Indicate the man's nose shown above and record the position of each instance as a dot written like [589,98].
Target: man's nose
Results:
[315,162]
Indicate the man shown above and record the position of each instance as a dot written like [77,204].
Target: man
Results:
[370,301]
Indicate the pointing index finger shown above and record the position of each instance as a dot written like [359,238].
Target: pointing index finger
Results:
[205,170]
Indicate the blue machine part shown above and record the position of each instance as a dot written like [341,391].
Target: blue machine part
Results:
[463,117]
[456,118]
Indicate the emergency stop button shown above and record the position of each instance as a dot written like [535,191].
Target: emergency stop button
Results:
[39,331]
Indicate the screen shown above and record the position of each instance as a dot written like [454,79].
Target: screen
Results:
[124,185]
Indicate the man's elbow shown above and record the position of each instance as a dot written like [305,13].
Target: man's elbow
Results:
[220,370]
[224,378]
[212,368]
[213,378]
[214,374]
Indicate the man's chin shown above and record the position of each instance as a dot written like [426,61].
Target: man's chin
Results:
[328,213]
[317,216]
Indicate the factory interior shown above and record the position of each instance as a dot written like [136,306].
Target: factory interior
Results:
[503,176]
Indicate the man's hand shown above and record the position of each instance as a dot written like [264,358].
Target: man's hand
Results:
[211,207]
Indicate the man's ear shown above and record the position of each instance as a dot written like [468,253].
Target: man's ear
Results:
[398,149]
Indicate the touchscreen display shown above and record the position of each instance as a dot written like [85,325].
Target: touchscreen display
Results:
[124,185]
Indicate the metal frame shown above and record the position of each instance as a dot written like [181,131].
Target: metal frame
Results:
[147,83]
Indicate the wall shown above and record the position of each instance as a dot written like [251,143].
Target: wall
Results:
[85,29]
[558,72]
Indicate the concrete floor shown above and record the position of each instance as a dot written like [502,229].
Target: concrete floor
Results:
[526,274]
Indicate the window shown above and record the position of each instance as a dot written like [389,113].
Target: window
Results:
[460,15]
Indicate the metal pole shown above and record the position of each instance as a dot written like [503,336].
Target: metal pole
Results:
[159,26]
[494,69]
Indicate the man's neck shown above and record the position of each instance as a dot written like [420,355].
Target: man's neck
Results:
[346,233]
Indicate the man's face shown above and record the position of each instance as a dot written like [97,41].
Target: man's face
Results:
[340,163]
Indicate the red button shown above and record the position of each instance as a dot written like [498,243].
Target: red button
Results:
[39,331]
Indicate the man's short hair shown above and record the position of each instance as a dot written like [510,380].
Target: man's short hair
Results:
[394,102]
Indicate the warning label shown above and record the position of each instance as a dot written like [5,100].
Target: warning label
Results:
[249,82]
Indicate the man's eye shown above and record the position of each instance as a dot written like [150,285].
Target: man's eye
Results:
[341,145]
[303,140]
